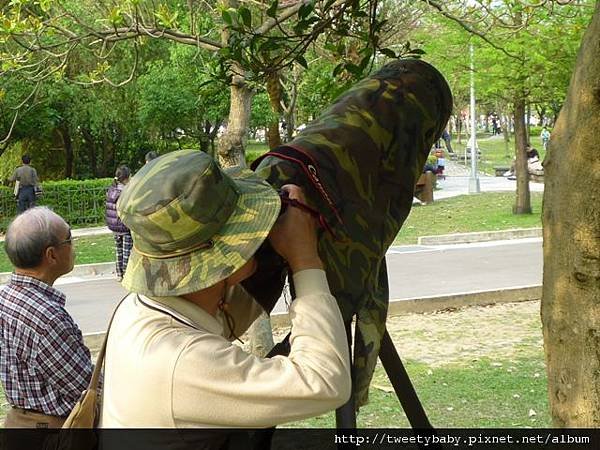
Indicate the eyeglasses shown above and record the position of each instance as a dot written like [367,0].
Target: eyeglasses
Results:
[68,240]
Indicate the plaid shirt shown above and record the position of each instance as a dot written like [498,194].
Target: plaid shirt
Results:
[44,364]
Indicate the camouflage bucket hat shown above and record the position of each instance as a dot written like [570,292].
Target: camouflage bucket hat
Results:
[193,224]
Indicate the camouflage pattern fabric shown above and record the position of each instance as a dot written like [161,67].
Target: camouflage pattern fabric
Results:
[370,147]
[192,223]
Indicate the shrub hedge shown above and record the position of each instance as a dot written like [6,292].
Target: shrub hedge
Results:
[80,202]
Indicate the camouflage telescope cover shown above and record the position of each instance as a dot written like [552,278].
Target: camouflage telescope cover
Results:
[370,147]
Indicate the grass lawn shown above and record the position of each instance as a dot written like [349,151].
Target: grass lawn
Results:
[494,152]
[88,249]
[255,149]
[486,393]
[473,367]
[483,212]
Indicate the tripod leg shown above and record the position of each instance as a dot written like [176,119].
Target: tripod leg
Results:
[345,416]
[402,385]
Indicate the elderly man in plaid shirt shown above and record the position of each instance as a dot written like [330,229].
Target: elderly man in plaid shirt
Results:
[44,364]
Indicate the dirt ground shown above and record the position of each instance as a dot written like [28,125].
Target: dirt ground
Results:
[451,336]
[456,336]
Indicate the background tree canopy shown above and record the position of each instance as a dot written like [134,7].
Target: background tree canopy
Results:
[85,86]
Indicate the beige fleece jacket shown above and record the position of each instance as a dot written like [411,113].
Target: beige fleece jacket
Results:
[168,363]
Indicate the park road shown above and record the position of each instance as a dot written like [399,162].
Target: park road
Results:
[413,272]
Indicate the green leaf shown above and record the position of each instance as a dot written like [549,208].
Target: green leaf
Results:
[115,17]
[246,16]
[353,69]
[364,62]
[338,69]
[302,61]
[388,52]
[305,11]
[359,14]
[226,17]
[272,11]
[45,5]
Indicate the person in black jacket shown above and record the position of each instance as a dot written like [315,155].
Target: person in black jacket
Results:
[122,235]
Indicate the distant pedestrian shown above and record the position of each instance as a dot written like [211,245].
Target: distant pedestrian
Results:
[441,163]
[545,136]
[447,141]
[27,179]
[44,364]
[121,233]
[151,155]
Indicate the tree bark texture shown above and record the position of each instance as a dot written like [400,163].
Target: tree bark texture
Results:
[504,123]
[290,110]
[90,145]
[571,221]
[523,199]
[65,135]
[233,141]
[274,91]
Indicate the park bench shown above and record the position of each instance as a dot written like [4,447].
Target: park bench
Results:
[500,170]
[424,187]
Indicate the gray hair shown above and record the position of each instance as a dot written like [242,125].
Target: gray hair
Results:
[151,155]
[29,234]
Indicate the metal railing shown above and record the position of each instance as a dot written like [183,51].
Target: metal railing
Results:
[78,205]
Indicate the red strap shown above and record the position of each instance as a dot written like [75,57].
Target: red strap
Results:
[309,166]
[313,212]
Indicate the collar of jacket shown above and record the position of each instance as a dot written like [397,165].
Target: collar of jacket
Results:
[185,312]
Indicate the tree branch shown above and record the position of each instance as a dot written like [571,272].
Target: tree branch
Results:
[17,111]
[468,28]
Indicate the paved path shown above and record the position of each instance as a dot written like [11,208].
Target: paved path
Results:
[457,182]
[414,271]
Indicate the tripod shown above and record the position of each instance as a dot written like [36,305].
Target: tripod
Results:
[345,416]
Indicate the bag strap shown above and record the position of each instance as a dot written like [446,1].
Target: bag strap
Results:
[100,359]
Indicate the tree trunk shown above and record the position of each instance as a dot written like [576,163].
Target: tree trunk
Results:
[541,111]
[274,91]
[289,110]
[273,135]
[63,130]
[203,136]
[505,132]
[523,199]
[90,144]
[528,127]
[212,136]
[571,220]
[107,167]
[233,142]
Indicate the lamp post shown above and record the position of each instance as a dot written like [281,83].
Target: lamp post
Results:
[474,178]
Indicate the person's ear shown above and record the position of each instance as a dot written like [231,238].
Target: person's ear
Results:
[50,255]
